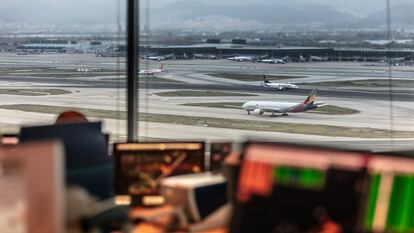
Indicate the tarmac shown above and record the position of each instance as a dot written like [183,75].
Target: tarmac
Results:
[103,92]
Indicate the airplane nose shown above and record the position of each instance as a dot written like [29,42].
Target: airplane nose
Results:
[244,105]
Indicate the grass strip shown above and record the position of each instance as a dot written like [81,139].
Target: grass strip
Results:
[365,83]
[206,93]
[33,92]
[254,77]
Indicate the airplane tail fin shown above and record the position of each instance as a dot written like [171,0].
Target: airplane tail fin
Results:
[265,79]
[312,97]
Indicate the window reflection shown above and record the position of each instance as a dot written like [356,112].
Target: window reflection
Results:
[61,56]
[217,58]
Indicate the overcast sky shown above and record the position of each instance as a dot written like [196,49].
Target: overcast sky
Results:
[105,11]
[356,6]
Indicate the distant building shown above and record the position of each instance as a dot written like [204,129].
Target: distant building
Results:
[88,69]
[238,41]
[62,46]
[213,41]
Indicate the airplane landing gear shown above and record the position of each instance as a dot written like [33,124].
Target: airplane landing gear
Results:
[248,112]
[285,114]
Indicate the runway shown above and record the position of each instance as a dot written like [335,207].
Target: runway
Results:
[194,75]
[81,83]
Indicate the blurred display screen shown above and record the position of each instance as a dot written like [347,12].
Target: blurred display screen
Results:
[13,204]
[140,167]
[218,152]
[285,188]
[390,195]
[9,139]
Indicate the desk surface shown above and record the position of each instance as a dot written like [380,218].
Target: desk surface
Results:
[148,228]
[161,214]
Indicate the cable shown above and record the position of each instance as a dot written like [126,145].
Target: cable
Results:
[118,69]
[390,81]
[147,44]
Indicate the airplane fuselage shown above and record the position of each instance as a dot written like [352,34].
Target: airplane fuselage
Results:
[261,107]
[240,58]
[280,86]
[150,72]
[156,58]
[273,61]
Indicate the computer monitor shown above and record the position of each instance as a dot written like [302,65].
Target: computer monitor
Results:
[87,161]
[140,168]
[84,143]
[292,188]
[32,188]
[287,188]
[389,201]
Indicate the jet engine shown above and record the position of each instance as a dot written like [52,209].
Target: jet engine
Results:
[258,112]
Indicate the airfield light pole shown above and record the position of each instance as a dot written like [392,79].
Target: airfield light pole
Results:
[132,69]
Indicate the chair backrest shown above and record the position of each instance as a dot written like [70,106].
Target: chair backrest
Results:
[86,156]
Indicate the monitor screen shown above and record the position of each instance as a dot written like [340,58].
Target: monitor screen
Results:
[290,188]
[285,188]
[140,168]
[218,152]
[389,203]
[84,143]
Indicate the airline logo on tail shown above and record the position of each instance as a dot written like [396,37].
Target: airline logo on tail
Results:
[308,103]
[311,98]
[265,79]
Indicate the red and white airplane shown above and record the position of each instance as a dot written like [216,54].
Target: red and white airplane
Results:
[152,71]
[260,107]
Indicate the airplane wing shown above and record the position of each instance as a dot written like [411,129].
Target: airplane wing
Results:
[276,110]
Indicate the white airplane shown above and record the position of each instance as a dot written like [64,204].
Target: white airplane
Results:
[156,58]
[279,86]
[318,59]
[273,61]
[396,61]
[240,58]
[163,57]
[152,71]
[260,107]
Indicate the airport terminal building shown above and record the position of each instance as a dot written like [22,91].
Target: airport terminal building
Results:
[331,54]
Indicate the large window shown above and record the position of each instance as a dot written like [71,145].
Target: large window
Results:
[217,70]
[235,69]
[62,55]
